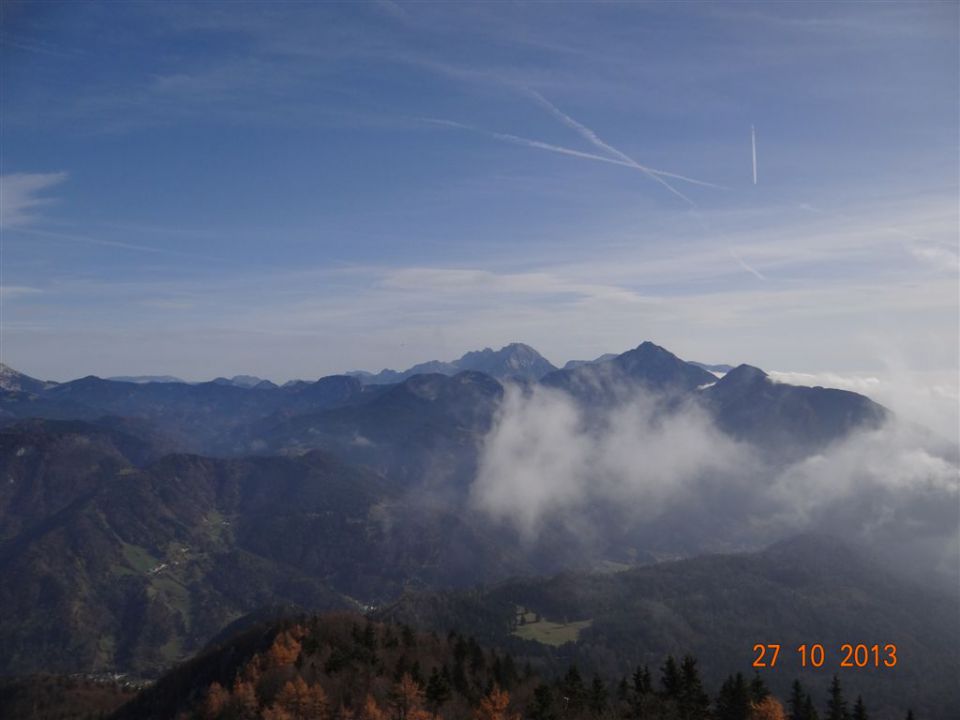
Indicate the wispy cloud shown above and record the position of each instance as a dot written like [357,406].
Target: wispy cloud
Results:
[22,193]
[9,292]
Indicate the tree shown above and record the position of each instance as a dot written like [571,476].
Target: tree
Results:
[295,698]
[733,701]
[542,707]
[796,701]
[438,690]
[216,699]
[694,701]
[642,684]
[859,709]
[836,704]
[758,689]
[670,678]
[371,711]
[318,707]
[573,690]
[284,651]
[597,700]
[494,706]
[768,709]
[406,697]
[243,700]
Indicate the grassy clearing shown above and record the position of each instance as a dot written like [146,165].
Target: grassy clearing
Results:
[551,633]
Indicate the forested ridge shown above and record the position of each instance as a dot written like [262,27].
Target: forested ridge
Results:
[344,666]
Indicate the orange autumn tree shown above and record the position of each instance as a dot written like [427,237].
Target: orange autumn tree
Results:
[372,711]
[244,700]
[216,699]
[284,651]
[494,706]
[407,700]
[301,701]
[768,709]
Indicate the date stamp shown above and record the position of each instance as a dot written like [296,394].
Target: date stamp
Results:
[817,656]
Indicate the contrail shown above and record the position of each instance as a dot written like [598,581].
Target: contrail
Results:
[753,143]
[70,237]
[539,144]
[594,139]
[749,268]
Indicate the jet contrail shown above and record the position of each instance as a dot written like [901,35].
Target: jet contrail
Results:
[539,144]
[749,268]
[594,139]
[753,143]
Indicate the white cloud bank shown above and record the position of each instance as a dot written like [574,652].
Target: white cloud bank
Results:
[547,461]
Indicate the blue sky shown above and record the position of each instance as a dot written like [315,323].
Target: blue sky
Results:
[292,190]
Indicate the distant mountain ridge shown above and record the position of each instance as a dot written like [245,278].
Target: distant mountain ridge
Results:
[15,381]
[515,361]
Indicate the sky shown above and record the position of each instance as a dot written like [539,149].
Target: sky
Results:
[294,190]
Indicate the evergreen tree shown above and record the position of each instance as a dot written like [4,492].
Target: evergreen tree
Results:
[809,709]
[758,689]
[642,684]
[733,701]
[670,678]
[836,704]
[573,690]
[909,714]
[438,690]
[859,709]
[796,703]
[598,696]
[694,701]
[542,707]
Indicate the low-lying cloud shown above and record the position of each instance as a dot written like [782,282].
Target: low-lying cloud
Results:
[672,473]
[545,455]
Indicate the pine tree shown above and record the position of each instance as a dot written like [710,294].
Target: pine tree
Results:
[795,703]
[573,690]
[694,701]
[438,690]
[836,704]
[733,701]
[597,700]
[670,678]
[642,684]
[542,707]
[859,709]
[758,689]
[809,709]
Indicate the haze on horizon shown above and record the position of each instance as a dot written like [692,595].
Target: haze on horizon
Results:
[293,190]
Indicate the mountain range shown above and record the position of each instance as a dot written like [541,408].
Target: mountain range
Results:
[140,519]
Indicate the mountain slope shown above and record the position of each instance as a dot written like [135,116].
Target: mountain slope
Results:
[805,590]
[110,566]
[791,420]
[12,380]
